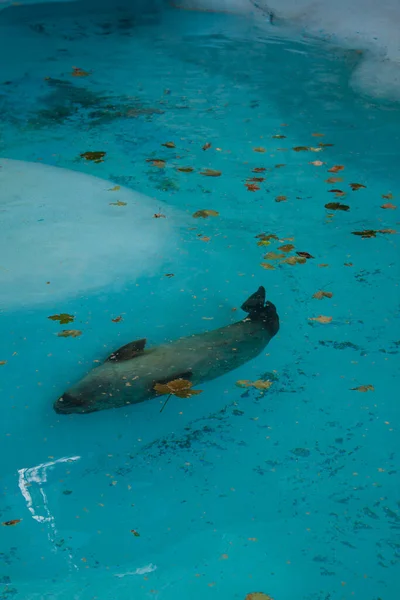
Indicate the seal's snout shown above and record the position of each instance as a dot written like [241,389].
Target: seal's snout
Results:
[68,404]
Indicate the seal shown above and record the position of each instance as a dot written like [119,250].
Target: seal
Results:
[128,376]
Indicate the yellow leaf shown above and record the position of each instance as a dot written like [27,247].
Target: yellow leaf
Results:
[267,266]
[295,260]
[177,387]
[115,188]
[63,318]
[259,149]
[364,388]
[210,173]
[321,319]
[280,198]
[70,333]
[3,362]
[169,145]
[286,248]
[205,213]
[156,162]
[274,255]
[321,294]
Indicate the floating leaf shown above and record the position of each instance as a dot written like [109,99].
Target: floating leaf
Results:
[259,149]
[169,144]
[177,387]
[210,173]
[270,236]
[12,522]
[364,388]
[117,319]
[117,203]
[96,157]
[169,275]
[207,146]
[252,187]
[389,206]
[257,179]
[135,533]
[205,238]
[337,206]
[336,169]
[304,254]
[159,216]
[3,362]
[115,188]
[279,137]
[286,248]
[259,169]
[387,196]
[274,256]
[338,193]
[356,186]
[70,333]
[281,199]
[318,134]
[267,266]
[324,145]
[295,260]
[259,384]
[334,179]
[156,162]
[317,163]
[77,72]
[258,596]
[321,319]
[301,148]
[321,294]
[204,214]
[185,169]
[64,318]
[367,233]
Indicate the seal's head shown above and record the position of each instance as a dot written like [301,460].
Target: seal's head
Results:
[68,403]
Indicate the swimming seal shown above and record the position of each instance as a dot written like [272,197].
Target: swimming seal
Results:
[128,376]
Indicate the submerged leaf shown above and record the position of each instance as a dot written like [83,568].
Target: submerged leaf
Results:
[256,179]
[117,319]
[258,596]
[206,146]
[318,134]
[259,149]
[210,173]
[96,157]
[159,216]
[78,72]
[269,236]
[364,388]
[252,187]
[387,196]
[336,168]
[63,318]
[280,166]
[356,186]
[388,205]
[286,248]
[70,333]
[301,148]
[12,522]
[304,254]
[321,294]
[366,233]
[3,362]
[169,144]
[156,162]
[267,266]
[274,256]
[115,188]
[177,387]
[337,206]
[204,214]
[321,319]
[117,203]
[317,163]
[135,533]
[281,199]
[334,179]
[259,384]
[295,260]
[259,169]
[185,169]
[279,137]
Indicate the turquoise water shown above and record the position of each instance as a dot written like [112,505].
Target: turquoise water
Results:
[294,491]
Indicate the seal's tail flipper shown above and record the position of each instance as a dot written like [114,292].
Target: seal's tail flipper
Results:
[255,304]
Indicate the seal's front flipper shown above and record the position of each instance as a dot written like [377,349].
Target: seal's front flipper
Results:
[129,351]
[256,302]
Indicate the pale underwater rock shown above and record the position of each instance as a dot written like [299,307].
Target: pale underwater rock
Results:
[74,231]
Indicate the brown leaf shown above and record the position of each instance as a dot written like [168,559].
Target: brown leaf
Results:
[286,248]
[210,173]
[334,179]
[204,214]
[169,275]
[367,233]
[177,387]
[259,384]
[96,157]
[321,319]
[301,148]
[337,206]
[69,333]
[63,318]
[364,388]
[169,144]
[159,216]
[274,256]
[295,260]
[267,266]
[356,186]
[117,319]
[207,146]
[304,254]
[280,166]
[156,162]
[324,145]
[258,596]
[135,533]
[336,169]
[389,205]
[117,203]
[259,149]
[77,72]
[280,198]
[318,134]
[252,187]
[185,169]
[387,196]
[12,522]
[279,137]
[3,362]
[321,294]
[259,170]
[205,238]
[257,179]
[270,236]
[387,231]
[338,193]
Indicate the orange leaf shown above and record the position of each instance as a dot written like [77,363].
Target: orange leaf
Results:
[210,173]
[258,179]
[389,205]
[169,144]
[321,319]
[252,187]
[77,72]
[336,169]
[334,180]
[338,193]
[12,522]
[280,198]
[318,134]
[117,319]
